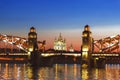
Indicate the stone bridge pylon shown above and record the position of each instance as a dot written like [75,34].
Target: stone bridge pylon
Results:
[87,46]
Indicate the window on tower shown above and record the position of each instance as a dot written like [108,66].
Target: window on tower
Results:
[32,30]
[31,36]
[35,36]
[86,29]
[84,35]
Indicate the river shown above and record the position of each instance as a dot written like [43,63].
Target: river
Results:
[10,71]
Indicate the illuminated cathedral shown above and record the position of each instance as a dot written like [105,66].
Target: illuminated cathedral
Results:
[71,48]
[60,44]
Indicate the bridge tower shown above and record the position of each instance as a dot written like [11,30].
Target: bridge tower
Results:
[33,47]
[32,40]
[86,47]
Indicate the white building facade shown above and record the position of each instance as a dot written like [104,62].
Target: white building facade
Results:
[60,44]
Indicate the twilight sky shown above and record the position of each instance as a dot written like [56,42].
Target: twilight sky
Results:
[51,17]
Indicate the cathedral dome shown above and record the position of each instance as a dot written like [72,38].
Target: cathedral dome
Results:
[60,44]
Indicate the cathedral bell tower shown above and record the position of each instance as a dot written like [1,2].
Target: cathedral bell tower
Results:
[86,44]
[32,40]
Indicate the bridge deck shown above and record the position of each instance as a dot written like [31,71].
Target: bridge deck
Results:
[67,54]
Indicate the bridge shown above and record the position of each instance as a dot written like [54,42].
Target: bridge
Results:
[108,44]
[106,48]
[18,43]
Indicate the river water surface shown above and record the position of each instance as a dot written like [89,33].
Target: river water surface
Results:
[10,71]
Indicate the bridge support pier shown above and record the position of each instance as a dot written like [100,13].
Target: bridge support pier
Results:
[35,58]
[93,63]
[99,62]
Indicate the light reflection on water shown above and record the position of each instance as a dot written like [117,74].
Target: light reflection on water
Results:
[58,72]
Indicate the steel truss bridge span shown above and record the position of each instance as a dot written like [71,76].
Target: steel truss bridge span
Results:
[108,44]
[19,42]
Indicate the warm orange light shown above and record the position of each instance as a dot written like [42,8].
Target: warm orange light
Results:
[84,35]
[84,49]
[85,54]
[28,53]
[30,49]
[32,30]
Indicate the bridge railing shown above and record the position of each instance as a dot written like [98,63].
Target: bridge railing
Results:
[106,54]
[67,54]
[13,54]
